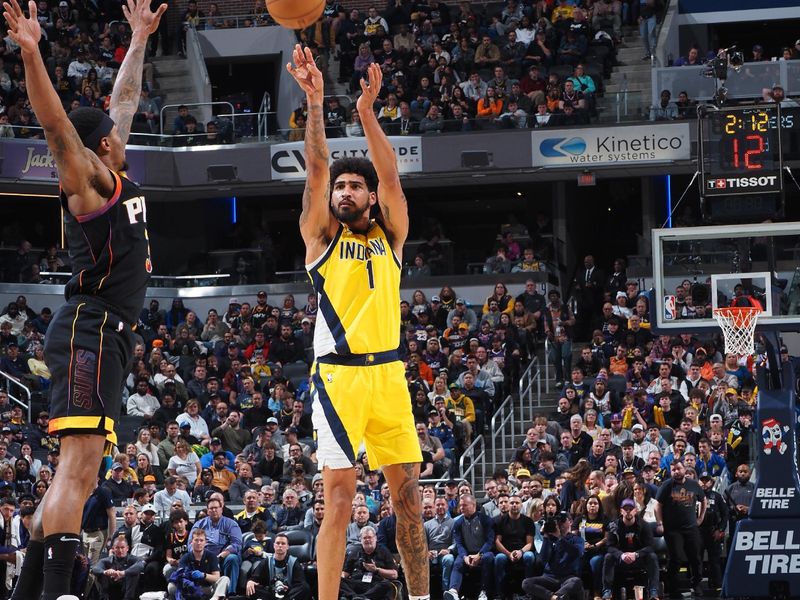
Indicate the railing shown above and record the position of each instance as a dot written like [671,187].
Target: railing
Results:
[472,463]
[202,105]
[505,421]
[547,377]
[15,390]
[263,111]
[504,415]
[750,82]
[532,377]
[157,280]
[234,21]
[201,82]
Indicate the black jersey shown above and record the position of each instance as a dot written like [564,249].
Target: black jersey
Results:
[110,251]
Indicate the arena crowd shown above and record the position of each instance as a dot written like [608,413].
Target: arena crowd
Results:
[600,491]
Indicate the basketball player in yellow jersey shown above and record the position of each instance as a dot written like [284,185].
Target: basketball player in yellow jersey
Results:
[358,382]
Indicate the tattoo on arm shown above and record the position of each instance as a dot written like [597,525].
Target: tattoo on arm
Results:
[307,193]
[315,143]
[127,89]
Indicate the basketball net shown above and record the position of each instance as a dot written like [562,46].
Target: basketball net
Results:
[738,324]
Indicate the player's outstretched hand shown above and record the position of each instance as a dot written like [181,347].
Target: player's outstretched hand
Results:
[140,17]
[306,73]
[25,31]
[370,91]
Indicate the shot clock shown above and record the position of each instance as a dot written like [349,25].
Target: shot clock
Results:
[740,150]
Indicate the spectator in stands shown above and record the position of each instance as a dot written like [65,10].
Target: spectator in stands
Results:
[561,556]
[224,540]
[335,118]
[362,61]
[142,403]
[191,17]
[368,569]
[691,59]
[164,499]
[117,485]
[279,575]
[514,533]
[513,117]
[571,49]
[473,535]
[201,565]
[117,575]
[487,54]
[558,322]
[179,124]
[184,463]
[648,13]
[677,519]
[608,14]
[665,110]
[630,547]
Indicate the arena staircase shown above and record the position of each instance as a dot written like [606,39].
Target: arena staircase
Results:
[173,84]
[628,92]
[506,429]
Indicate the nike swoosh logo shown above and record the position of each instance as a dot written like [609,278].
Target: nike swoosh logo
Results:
[66,539]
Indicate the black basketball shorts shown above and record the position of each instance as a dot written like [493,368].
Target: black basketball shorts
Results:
[89,351]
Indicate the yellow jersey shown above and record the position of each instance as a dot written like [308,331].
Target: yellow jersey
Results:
[357,281]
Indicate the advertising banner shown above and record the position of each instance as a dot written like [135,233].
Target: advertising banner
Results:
[32,160]
[287,161]
[611,146]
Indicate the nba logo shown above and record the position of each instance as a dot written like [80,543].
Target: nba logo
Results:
[669,308]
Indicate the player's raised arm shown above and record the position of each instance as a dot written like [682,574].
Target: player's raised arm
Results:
[128,86]
[317,224]
[83,177]
[391,199]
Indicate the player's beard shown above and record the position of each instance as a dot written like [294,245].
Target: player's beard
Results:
[350,215]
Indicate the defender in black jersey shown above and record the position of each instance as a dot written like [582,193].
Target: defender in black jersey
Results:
[90,342]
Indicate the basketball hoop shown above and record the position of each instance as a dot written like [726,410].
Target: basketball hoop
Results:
[738,324]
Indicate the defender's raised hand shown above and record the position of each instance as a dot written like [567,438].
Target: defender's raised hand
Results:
[25,31]
[141,18]
[306,73]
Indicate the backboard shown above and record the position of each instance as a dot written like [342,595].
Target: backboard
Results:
[715,264]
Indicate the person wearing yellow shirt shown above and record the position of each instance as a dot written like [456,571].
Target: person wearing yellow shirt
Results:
[464,410]
[563,12]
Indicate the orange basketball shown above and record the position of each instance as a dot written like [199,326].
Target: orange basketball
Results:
[295,14]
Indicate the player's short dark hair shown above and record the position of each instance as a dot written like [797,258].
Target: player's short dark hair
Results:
[358,166]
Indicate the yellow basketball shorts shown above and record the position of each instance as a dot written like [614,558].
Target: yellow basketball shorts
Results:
[352,404]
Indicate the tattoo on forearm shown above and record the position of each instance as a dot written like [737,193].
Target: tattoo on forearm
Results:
[316,145]
[307,193]
[411,540]
[127,89]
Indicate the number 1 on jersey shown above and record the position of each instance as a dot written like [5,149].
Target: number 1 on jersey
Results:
[370,275]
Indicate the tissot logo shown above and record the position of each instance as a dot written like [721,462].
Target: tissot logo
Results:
[765,181]
[553,147]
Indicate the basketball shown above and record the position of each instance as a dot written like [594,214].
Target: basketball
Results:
[295,14]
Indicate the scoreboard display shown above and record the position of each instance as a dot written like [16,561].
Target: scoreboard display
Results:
[740,150]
